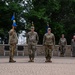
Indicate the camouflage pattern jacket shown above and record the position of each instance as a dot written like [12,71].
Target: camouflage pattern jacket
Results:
[49,39]
[13,37]
[32,38]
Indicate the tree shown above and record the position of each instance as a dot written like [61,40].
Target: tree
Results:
[7,8]
[59,13]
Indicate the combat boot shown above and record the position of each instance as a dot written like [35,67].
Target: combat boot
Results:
[11,60]
[46,60]
[49,60]
[32,59]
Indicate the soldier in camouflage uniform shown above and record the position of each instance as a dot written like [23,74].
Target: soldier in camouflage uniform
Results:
[62,45]
[48,42]
[73,46]
[12,42]
[32,40]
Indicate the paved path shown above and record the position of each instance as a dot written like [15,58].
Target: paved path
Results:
[60,66]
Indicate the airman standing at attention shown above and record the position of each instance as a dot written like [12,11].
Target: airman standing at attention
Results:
[62,45]
[48,42]
[32,40]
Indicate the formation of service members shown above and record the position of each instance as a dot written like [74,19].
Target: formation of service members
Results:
[32,40]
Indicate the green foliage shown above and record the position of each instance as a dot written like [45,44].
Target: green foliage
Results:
[59,13]
[6,12]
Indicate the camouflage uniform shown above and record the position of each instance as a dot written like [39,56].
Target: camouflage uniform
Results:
[12,41]
[32,40]
[48,41]
[73,47]
[62,46]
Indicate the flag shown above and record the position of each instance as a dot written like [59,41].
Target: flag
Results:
[14,23]
[13,19]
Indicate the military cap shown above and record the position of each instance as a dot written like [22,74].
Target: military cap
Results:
[49,28]
[32,27]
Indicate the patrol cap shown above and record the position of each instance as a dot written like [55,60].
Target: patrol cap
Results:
[49,28]
[32,27]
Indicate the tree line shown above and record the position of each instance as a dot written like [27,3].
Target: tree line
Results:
[60,14]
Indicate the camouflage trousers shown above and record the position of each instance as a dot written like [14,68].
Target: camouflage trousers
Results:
[73,51]
[31,51]
[62,50]
[48,51]
[12,51]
